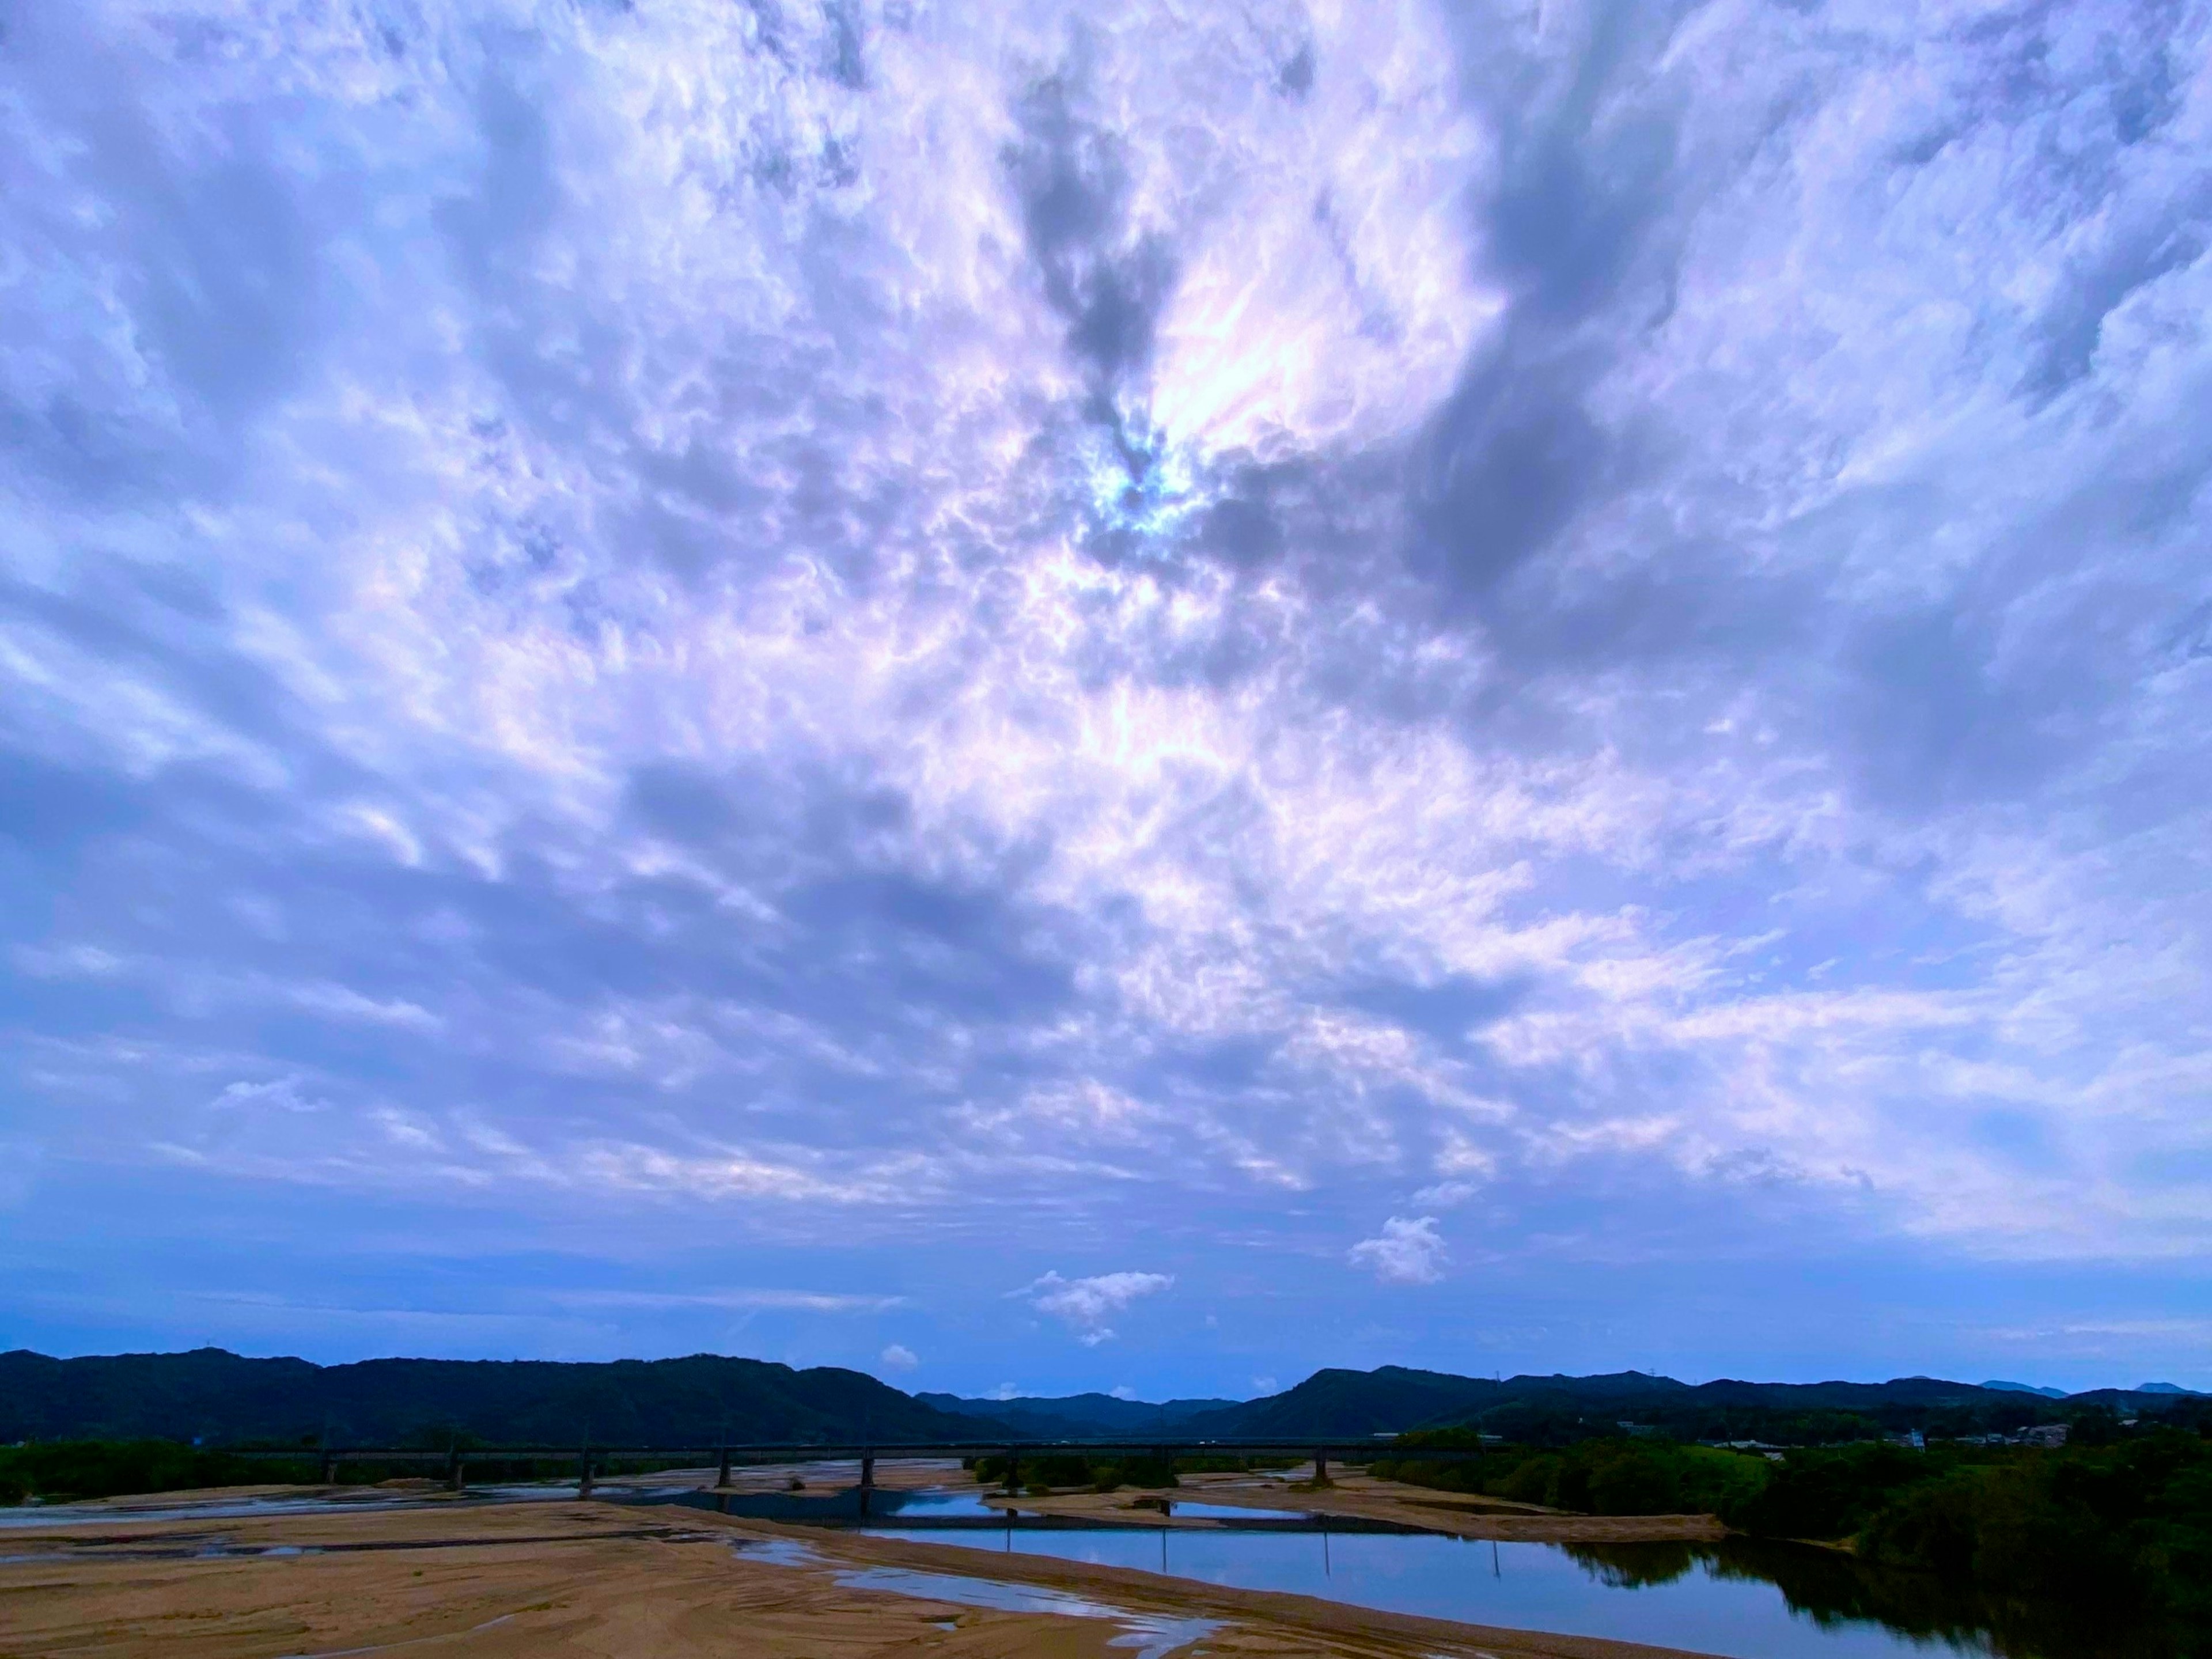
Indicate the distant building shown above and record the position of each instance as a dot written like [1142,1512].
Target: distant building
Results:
[2044,1434]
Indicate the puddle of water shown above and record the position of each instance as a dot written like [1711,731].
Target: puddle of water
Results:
[828,1508]
[778,1551]
[934,1504]
[1153,1635]
[1704,1599]
[1239,1512]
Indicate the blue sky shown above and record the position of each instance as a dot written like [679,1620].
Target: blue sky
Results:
[1109,694]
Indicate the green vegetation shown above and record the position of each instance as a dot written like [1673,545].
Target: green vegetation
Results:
[110,1468]
[1834,1585]
[1596,1477]
[2125,1526]
[2122,1523]
[1108,1472]
[1046,1471]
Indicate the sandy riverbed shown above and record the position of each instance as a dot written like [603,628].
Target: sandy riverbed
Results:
[1361,1497]
[548,1579]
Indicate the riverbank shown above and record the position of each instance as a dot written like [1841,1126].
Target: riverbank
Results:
[565,1577]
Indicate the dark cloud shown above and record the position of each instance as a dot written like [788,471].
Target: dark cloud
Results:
[1510,462]
[1106,276]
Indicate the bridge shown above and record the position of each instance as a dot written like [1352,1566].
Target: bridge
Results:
[727,1456]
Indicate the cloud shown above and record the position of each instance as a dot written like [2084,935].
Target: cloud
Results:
[851,629]
[803,1301]
[897,1356]
[1404,1252]
[1123,1391]
[1085,1304]
[1263,1385]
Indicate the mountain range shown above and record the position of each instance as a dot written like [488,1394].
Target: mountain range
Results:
[212,1395]
[215,1396]
[1078,1416]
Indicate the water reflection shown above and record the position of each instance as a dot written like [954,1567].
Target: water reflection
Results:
[1833,1589]
[1738,1599]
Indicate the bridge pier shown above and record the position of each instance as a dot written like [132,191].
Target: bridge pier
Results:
[722,1477]
[867,1481]
[328,1475]
[455,1479]
[1013,1471]
[1321,1466]
[584,1473]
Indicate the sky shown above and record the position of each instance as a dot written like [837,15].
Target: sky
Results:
[1043,697]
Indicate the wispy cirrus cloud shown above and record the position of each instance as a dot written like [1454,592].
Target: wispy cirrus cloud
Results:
[740,1300]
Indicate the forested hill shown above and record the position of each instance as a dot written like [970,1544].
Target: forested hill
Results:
[220,1397]
[1336,1401]
[1078,1416]
[1393,1399]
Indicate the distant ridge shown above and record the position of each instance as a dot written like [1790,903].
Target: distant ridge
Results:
[218,1396]
[1393,1399]
[2169,1387]
[1076,1416]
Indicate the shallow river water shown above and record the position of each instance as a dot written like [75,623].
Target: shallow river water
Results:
[1747,1601]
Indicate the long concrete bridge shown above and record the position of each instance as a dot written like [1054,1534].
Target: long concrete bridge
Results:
[456,1459]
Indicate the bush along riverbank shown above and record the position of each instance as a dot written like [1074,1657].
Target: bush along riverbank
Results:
[58,1470]
[2125,1527]
[55,1470]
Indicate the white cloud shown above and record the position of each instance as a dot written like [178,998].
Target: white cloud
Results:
[1123,1391]
[897,1357]
[1085,1304]
[283,1093]
[1404,1252]
[803,1301]
[1263,1385]
[624,704]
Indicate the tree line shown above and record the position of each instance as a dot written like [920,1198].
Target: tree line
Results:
[2121,1522]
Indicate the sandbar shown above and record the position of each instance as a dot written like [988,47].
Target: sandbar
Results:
[554,1578]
